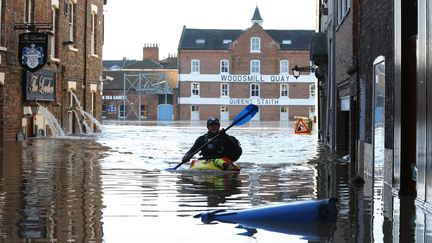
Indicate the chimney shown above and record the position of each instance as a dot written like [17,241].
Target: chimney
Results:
[151,51]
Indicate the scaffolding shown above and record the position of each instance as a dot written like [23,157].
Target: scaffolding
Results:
[140,84]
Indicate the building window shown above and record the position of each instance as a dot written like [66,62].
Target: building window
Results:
[195,108]
[195,66]
[70,11]
[122,111]
[224,66]
[284,90]
[255,66]
[28,11]
[343,7]
[284,67]
[224,90]
[195,89]
[200,41]
[254,90]
[312,90]
[93,36]
[255,44]
[224,108]
[54,36]
[284,109]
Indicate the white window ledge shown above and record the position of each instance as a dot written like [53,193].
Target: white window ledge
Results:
[2,48]
[72,48]
[53,59]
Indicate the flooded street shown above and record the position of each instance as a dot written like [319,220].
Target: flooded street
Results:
[115,187]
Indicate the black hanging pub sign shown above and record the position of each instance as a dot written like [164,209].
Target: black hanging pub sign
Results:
[33,50]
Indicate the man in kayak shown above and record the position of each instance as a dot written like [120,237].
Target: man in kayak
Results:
[222,146]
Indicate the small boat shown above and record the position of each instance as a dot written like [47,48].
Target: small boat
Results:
[312,218]
[222,164]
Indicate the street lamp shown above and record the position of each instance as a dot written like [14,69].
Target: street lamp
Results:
[297,70]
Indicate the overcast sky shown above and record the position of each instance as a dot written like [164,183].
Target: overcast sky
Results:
[130,24]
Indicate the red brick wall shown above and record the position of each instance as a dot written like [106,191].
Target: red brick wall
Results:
[239,57]
[71,66]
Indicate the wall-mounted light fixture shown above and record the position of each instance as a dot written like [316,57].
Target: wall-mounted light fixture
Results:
[297,70]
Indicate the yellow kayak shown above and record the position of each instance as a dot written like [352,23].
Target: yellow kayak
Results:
[214,164]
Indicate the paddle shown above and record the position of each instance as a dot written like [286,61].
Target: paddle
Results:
[243,117]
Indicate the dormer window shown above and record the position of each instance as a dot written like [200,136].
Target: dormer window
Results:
[286,42]
[226,42]
[200,41]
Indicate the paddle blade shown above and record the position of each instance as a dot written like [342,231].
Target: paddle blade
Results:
[245,115]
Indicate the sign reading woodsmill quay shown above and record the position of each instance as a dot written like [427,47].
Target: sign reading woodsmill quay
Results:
[32,53]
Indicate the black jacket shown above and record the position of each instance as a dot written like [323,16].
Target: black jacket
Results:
[223,145]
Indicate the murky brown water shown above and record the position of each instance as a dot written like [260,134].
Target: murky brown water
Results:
[114,187]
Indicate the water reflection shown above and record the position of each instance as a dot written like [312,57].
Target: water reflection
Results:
[116,189]
[216,189]
[50,191]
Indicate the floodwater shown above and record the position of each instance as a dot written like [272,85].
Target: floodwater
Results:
[115,187]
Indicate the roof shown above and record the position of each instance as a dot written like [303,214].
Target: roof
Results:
[257,15]
[213,39]
[120,76]
[169,63]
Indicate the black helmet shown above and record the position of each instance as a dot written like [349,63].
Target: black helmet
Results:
[213,120]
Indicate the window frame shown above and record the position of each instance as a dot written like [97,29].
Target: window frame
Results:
[195,89]
[54,36]
[255,90]
[255,44]
[224,66]
[284,90]
[255,64]
[71,9]
[224,91]
[284,67]
[312,90]
[93,30]
[28,11]
[195,66]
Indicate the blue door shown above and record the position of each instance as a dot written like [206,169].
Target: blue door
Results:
[165,112]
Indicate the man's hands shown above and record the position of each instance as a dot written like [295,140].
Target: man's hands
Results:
[186,158]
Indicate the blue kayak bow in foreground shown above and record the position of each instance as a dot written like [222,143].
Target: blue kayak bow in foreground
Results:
[312,219]
[242,118]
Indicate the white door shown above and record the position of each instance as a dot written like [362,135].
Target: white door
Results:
[195,113]
[224,113]
[283,113]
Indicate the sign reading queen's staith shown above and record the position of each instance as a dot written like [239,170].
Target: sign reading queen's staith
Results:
[32,53]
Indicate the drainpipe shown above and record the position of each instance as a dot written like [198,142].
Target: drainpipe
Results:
[333,78]
[85,56]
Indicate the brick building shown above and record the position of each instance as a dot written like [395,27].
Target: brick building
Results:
[141,89]
[221,71]
[30,102]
